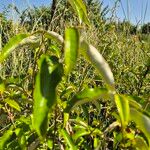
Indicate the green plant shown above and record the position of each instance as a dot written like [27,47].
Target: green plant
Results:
[60,117]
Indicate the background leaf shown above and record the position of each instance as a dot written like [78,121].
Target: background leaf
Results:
[2,86]
[80,133]
[12,104]
[86,96]
[21,138]
[142,121]
[68,139]
[7,135]
[80,9]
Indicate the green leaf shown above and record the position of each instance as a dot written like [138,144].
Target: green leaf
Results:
[48,77]
[123,109]
[50,143]
[87,95]
[96,143]
[71,48]
[133,101]
[142,121]
[68,139]
[80,9]
[3,140]
[65,119]
[55,49]
[140,143]
[21,138]
[2,86]
[80,122]
[134,104]
[12,104]
[93,55]
[80,133]
[11,45]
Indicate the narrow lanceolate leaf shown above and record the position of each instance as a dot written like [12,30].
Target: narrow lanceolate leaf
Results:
[87,95]
[123,109]
[3,140]
[80,133]
[11,45]
[98,61]
[68,139]
[2,86]
[12,104]
[21,138]
[48,77]
[80,9]
[142,121]
[133,101]
[140,143]
[71,48]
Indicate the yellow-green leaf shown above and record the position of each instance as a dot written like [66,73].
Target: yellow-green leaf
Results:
[142,121]
[11,45]
[80,9]
[21,138]
[123,109]
[140,143]
[87,95]
[132,101]
[3,140]
[80,133]
[12,104]
[68,139]
[71,48]
[2,86]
